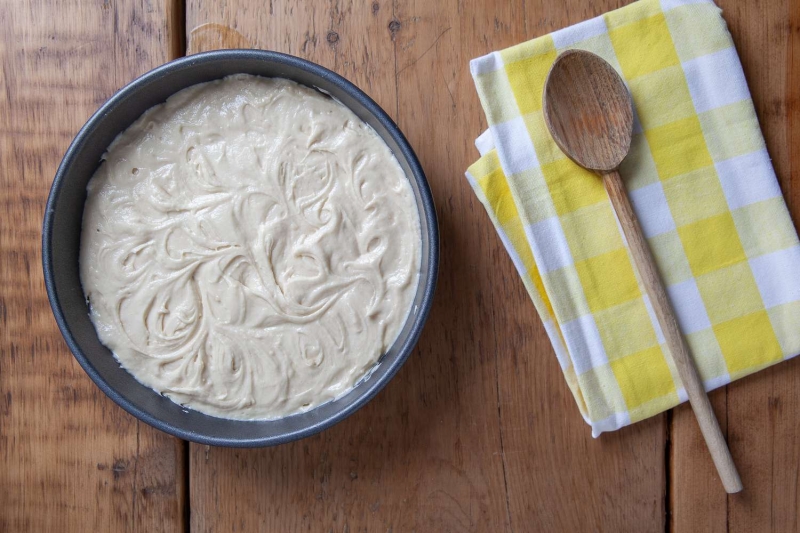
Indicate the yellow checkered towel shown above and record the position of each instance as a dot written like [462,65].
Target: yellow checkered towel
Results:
[701,182]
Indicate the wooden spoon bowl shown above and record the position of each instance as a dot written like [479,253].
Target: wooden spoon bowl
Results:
[592,121]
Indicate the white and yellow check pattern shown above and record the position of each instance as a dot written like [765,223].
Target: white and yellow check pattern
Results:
[701,182]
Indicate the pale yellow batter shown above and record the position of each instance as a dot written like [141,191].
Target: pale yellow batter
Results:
[249,248]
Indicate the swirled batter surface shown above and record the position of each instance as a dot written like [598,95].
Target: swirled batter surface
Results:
[249,248]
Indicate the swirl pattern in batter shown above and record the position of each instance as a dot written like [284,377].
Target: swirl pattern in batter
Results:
[249,248]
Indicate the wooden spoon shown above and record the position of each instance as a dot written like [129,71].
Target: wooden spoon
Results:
[588,111]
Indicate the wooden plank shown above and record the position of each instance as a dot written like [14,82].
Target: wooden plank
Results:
[761,410]
[478,432]
[70,460]
[550,460]
[418,456]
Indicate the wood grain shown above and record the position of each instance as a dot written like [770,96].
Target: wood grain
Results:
[70,460]
[478,432]
[556,476]
[403,450]
[762,428]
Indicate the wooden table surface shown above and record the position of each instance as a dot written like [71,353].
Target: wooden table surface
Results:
[478,431]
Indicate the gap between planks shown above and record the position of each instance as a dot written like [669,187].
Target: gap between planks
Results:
[177,49]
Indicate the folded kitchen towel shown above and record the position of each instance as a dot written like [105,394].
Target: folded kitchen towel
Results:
[701,182]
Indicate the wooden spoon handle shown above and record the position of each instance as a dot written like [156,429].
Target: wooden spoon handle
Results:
[669,326]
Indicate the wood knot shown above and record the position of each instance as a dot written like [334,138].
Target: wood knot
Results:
[119,467]
[332,37]
[375,8]
[394,26]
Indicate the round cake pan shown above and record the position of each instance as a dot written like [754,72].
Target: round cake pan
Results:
[61,237]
